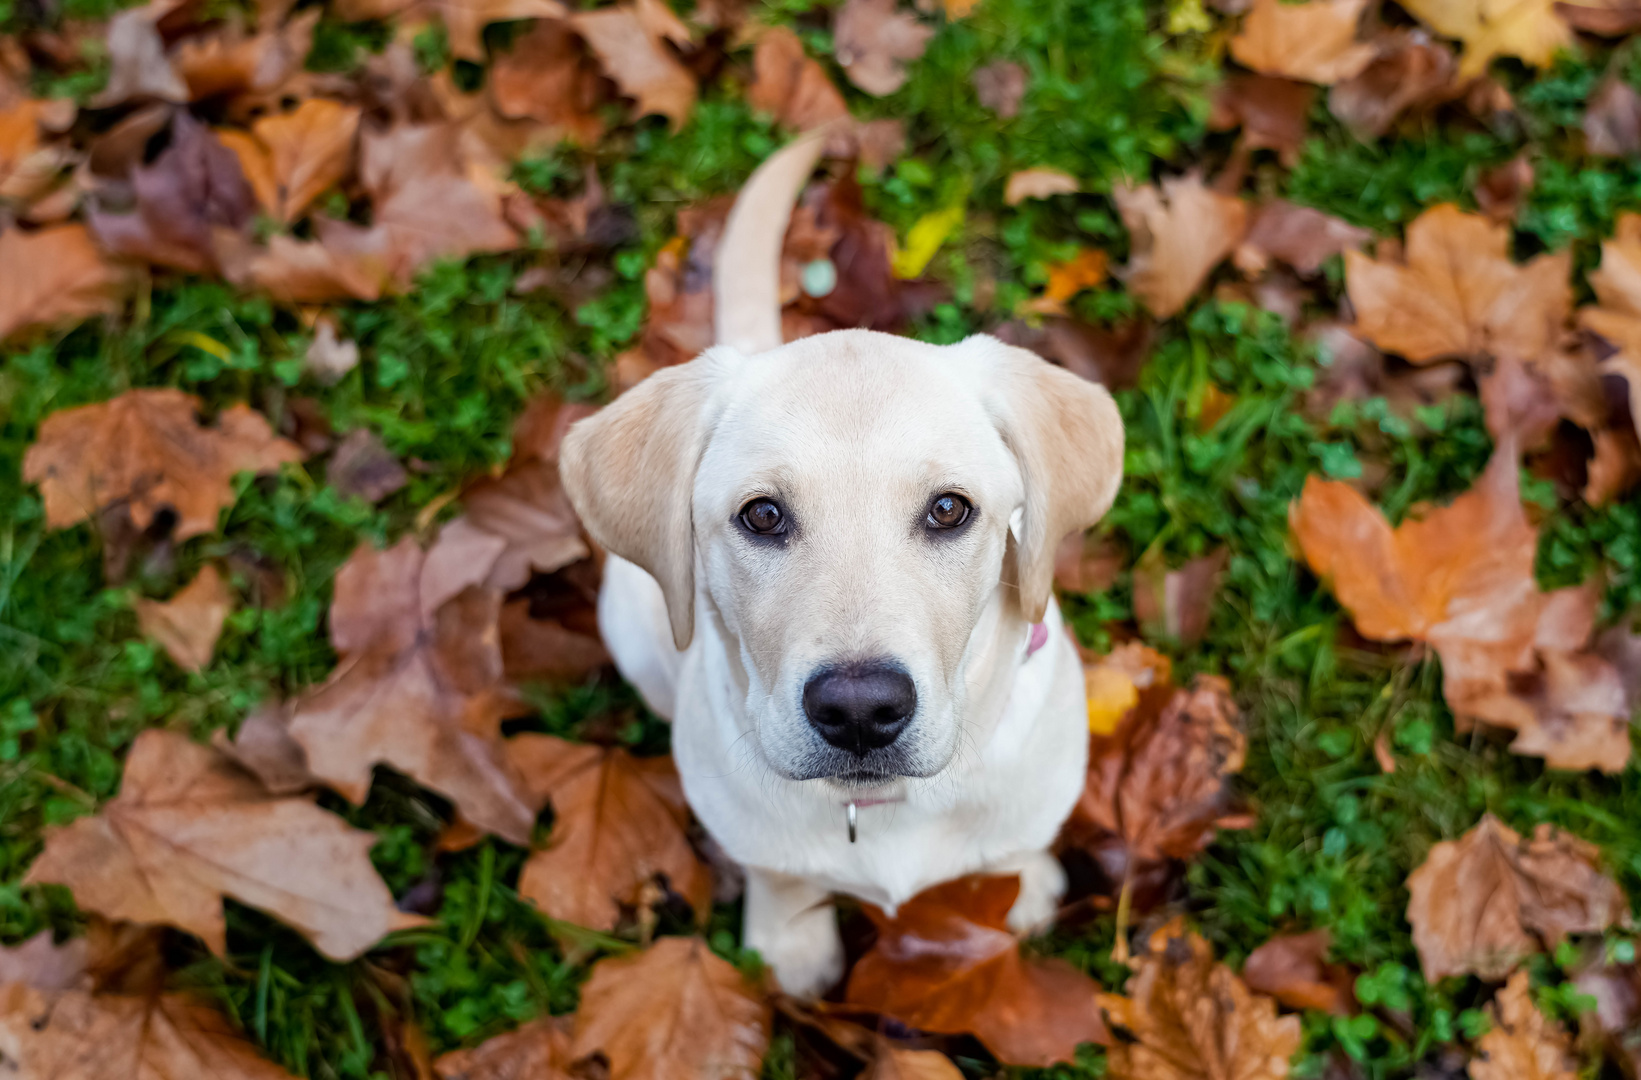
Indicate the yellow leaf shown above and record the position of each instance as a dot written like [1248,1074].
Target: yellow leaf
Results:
[924,239]
[1528,29]
[1111,693]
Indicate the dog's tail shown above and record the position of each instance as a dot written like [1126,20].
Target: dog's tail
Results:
[746,276]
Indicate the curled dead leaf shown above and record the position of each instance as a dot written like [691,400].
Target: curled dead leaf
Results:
[1179,232]
[187,626]
[1522,1042]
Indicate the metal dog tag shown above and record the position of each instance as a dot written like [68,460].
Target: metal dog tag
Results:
[851,823]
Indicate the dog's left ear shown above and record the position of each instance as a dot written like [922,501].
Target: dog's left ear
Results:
[1067,436]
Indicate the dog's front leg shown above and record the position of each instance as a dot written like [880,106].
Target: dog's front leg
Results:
[1042,883]
[792,925]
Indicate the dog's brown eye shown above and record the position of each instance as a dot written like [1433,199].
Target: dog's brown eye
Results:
[763,516]
[948,511]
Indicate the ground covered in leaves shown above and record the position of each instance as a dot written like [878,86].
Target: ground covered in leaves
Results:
[311,762]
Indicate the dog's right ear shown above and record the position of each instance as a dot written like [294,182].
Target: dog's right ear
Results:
[630,473]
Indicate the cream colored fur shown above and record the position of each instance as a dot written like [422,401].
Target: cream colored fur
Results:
[855,432]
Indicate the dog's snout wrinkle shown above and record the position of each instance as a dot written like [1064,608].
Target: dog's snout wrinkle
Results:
[860,706]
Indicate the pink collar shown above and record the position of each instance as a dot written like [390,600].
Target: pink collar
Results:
[1038,638]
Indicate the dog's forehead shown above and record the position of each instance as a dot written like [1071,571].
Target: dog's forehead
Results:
[853,395]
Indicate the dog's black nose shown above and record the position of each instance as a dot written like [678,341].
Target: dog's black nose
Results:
[862,706]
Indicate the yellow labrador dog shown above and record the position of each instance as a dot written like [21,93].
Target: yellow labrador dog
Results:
[831,566]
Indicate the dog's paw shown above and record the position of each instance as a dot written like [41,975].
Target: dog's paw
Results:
[808,957]
[1042,883]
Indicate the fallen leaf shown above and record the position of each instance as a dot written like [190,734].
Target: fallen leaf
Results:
[328,358]
[423,201]
[193,205]
[1615,1021]
[73,1034]
[1461,578]
[1500,191]
[1457,294]
[552,636]
[187,625]
[874,42]
[1410,69]
[1612,120]
[1297,235]
[229,61]
[147,449]
[1084,270]
[1000,86]
[346,262]
[54,277]
[41,965]
[190,828]
[1613,469]
[464,20]
[1608,18]
[1526,29]
[1617,318]
[1178,233]
[790,85]
[673,1010]
[1040,183]
[263,747]
[946,963]
[1294,969]
[361,467]
[896,1063]
[1158,784]
[1314,41]
[309,150]
[1485,902]
[1193,1019]
[29,165]
[1522,1044]
[138,67]
[418,687]
[1178,603]
[618,823]
[1272,113]
[1085,563]
[547,77]
[630,41]
[1111,356]
[539,1050]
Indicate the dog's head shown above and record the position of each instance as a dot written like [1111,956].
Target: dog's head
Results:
[845,509]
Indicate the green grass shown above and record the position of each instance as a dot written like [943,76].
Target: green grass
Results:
[446,369]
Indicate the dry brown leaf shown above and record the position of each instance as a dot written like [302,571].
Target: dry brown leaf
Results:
[673,1012]
[1612,120]
[1177,603]
[896,1063]
[552,635]
[1178,232]
[1607,18]
[187,625]
[1042,183]
[424,202]
[630,41]
[138,67]
[1193,1019]
[464,20]
[54,277]
[1160,759]
[547,77]
[874,42]
[528,510]
[1527,29]
[1294,969]
[148,449]
[1297,235]
[41,965]
[1314,41]
[539,1050]
[1500,191]
[193,205]
[263,747]
[1457,294]
[1000,86]
[1617,285]
[229,61]
[790,85]
[362,467]
[29,165]
[618,822]
[1460,577]
[346,262]
[1410,69]
[74,1035]
[1272,113]
[418,687]
[1615,1022]
[1485,902]
[308,150]
[1522,1043]
[190,828]
[946,963]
